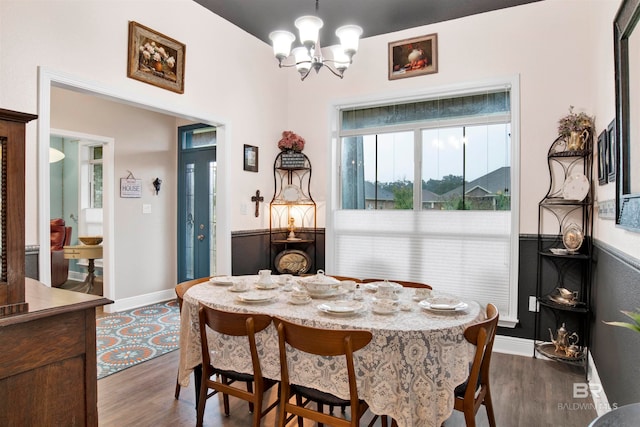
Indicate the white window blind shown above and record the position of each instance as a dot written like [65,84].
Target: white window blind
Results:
[465,253]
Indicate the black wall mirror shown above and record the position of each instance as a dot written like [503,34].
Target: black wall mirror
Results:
[627,71]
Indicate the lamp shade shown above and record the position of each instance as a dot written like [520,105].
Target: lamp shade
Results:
[349,36]
[55,155]
[340,59]
[281,41]
[309,28]
[303,60]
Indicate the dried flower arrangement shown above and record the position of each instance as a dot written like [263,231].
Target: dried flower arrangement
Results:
[574,122]
[291,141]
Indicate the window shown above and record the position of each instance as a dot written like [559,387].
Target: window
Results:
[95,176]
[426,190]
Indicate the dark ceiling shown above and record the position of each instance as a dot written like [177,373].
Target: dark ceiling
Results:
[260,17]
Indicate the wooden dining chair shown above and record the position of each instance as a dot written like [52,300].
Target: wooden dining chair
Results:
[181,289]
[321,342]
[343,278]
[233,324]
[404,283]
[468,397]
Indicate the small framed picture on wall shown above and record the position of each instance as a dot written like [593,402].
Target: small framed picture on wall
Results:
[250,158]
[603,170]
[611,151]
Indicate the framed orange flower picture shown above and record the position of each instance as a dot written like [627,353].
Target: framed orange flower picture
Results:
[155,58]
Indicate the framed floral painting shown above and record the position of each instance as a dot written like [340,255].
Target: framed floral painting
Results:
[413,57]
[155,58]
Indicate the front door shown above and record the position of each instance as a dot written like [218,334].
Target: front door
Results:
[196,201]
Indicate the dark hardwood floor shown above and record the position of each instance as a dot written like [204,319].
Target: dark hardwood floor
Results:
[526,392]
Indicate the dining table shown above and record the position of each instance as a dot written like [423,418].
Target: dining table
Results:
[409,370]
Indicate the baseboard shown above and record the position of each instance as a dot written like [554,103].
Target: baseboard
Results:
[140,300]
[600,400]
[513,345]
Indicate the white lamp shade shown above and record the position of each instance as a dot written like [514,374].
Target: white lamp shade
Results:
[303,60]
[55,155]
[281,41]
[340,59]
[309,27]
[349,36]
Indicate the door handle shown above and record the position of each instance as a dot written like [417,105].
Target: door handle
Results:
[201,237]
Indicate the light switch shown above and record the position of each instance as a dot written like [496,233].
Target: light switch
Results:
[146,208]
[533,304]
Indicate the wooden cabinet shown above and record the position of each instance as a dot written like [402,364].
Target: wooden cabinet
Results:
[565,250]
[292,219]
[48,374]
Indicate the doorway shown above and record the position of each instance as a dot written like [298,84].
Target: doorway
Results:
[196,201]
[47,79]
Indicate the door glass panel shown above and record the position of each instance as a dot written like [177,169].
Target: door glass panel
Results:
[189,206]
[212,218]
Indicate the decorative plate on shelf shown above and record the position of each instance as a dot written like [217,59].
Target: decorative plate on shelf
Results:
[293,261]
[576,187]
[291,194]
[572,237]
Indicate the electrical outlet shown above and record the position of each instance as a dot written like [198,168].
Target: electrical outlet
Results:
[146,208]
[533,304]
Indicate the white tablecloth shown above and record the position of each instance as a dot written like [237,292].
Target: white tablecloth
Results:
[409,370]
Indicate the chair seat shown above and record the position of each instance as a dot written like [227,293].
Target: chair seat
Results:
[232,375]
[319,396]
[462,389]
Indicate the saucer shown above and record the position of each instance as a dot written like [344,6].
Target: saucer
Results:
[384,310]
[272,285]
[300,301]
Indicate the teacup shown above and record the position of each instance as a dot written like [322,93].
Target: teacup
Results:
[348,285]
[422,293]
[299,293]
[385,290]
[288,284]
[265,277]
[384,305]
[240,285]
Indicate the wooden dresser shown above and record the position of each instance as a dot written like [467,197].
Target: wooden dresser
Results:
[48,359]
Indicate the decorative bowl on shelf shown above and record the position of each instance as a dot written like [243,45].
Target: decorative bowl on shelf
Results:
[91,240]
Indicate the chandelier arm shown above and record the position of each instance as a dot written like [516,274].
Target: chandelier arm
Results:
[335,73]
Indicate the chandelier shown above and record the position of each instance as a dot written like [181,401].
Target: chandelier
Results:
[309,56]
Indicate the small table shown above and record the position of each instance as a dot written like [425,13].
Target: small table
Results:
[90,252]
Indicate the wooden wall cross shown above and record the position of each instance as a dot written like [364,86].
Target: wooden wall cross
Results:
[257,199]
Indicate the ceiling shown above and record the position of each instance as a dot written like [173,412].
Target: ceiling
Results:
[260,17]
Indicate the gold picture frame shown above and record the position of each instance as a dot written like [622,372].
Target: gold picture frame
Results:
[413,57]
[155,58]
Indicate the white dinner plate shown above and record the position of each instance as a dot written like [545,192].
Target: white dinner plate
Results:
[222,280]
[255,297]
[576,187]
[443,304]
[341,307]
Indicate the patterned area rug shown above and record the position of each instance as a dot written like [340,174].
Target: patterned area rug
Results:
[130,337]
